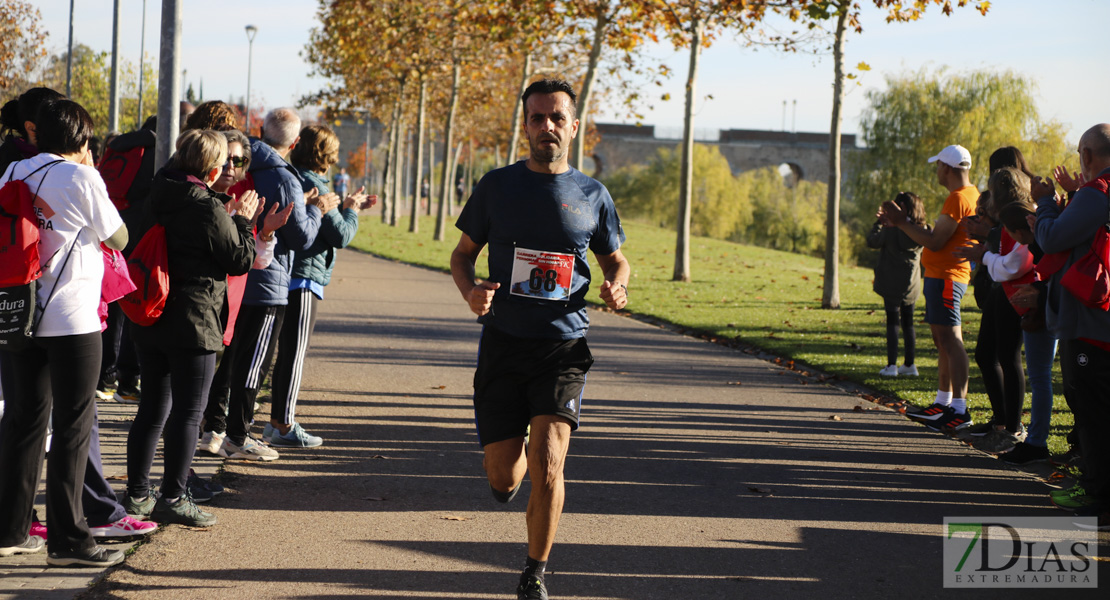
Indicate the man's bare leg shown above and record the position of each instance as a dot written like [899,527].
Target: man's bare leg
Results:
[547,454]
[505,464]
[952,358]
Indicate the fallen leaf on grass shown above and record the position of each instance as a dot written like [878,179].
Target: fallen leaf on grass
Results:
[454,518]
[835,418]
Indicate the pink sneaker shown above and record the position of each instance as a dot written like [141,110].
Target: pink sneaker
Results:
[38,529]
[123,528]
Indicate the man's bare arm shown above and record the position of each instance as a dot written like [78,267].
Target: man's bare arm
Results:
[477,293]
[614,290]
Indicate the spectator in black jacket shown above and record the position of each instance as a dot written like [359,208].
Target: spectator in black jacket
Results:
[204,245]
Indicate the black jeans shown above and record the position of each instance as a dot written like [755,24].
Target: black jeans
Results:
[1086,372]
[998,354]
[120,361]
[252,351]
[175,387]
[54,376]
[296,332]
[899,316]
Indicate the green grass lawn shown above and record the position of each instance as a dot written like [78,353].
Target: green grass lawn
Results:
[756,296]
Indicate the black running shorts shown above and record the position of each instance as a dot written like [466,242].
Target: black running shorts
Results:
[519,378]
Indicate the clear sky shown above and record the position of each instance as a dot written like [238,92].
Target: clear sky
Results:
[1040,40]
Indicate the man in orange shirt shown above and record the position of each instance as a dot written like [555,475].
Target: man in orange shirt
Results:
[946,279]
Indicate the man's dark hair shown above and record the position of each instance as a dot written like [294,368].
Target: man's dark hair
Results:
[24,108]
[62,127]
[550,86]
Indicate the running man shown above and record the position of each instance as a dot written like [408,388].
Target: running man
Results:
[539,217]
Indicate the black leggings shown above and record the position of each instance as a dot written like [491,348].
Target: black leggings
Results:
[998,354]
[175,388]
[899,315]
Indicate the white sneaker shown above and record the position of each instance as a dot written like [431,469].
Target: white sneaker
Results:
[251,449]
[910,370]
[211,443]
[889,371]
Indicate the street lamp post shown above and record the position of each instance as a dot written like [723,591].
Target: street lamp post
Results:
[251,31]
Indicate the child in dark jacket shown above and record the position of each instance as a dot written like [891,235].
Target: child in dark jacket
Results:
[898,281]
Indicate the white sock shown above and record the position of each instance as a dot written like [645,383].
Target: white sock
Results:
[959,405]
[944,398]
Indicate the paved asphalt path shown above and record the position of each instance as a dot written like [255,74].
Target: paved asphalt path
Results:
[699,472]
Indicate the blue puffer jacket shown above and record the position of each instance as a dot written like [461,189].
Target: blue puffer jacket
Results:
[337,228]
[278,182]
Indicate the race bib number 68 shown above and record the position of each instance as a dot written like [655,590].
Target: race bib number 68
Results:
[542,275]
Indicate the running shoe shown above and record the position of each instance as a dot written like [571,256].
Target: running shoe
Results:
[997,442]
[97,556]
[32,544]
[1025,453]
[951,422]
[976,431]
[1076,499]
[127,395]
[1067,459]
[205,487]
[933,412]
[889,371]
[909,370]
[296,438]
[105,390]
[531,588]
[124,528]
[182,511]
[251,449]
[268,433]
[211,442]
[1075,490]
[1101,515]
[139,507]
[37,528]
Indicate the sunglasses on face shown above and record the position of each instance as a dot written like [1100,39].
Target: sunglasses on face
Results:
[236,161]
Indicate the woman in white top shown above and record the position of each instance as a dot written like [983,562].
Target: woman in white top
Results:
[56,374]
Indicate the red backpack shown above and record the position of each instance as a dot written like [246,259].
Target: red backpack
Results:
[118,169]
[148,266]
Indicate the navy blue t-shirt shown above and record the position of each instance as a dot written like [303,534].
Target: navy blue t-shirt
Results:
[538,228]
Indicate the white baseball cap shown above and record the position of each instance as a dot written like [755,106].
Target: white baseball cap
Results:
[954,156]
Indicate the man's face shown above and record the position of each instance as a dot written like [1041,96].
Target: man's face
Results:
[550,125]
[941,173]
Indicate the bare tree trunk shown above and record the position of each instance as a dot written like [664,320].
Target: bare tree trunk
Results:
[448,173]
[469,180]
[418,164]
[518,108]
[455,200]
[686,181]
[431,169]
[600,27]
[830,296]
[398,176]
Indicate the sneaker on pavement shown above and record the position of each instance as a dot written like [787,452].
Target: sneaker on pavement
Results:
[933,412]
[910,370]
[105,391]
[183,511]
[1024,453]
[951,422]
[889,371]
[32,544]
[996,442]
[210,442]
[1101,515]
[206,487]
[531,588]
[296,438]
[97,556]
[1067,459]
[976,431]
[268,433]
[251,449]
[1076,498]
[126,395]
[139,507]
[37,528]
[124,528]
[1075,490]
